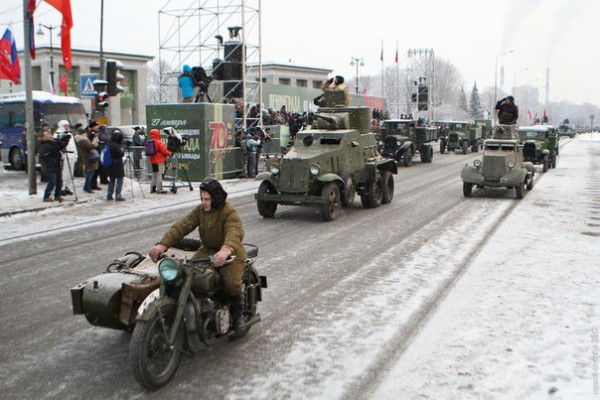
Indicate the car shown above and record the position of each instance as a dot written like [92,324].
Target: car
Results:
[540,145]
[461,135]
[329,163]
[127,132]
[403,138]
[502,166]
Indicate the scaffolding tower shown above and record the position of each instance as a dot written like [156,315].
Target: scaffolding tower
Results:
[221,36]
[420,83]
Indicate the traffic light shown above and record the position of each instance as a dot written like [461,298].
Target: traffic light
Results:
[101,94]
[101,101]
[114,77]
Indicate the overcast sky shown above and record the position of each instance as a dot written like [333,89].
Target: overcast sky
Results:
[560,35]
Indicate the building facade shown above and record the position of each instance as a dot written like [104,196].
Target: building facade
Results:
[128,108]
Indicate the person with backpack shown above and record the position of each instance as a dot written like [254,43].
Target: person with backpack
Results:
[112,161]
[157,160]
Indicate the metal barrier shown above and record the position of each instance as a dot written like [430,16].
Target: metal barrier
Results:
[136,163]
[215,155]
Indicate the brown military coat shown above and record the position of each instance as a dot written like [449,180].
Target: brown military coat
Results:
[216,227]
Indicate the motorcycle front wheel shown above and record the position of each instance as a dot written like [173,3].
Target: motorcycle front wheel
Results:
[152,360]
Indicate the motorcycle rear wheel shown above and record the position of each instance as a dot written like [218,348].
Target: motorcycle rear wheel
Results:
[152,360]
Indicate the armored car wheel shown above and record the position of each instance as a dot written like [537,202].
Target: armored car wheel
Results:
[467,189]
[349,192]
[530,183]
[519,189]
[266,208]
[546,164]
[407,157]
[372,196]
[331,208]
[388,187]
[152,360]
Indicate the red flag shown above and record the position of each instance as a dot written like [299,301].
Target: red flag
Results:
[364,92]
[64,7]
[63,84]
[529,114]
[10,68]
[31,9]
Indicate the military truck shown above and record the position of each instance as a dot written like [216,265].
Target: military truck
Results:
[328,165]
[461,135]
[401,139]
[502,166]
[540,145]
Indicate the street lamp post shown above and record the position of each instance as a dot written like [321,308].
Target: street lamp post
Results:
[356,61]
[496,79]
[40,32]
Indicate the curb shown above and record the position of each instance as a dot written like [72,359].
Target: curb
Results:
[37,209]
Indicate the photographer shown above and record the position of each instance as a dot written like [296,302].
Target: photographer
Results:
[187,82]
[157,160]
[51,153]
[63,136]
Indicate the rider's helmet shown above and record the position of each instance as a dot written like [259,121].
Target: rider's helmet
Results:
[217,193]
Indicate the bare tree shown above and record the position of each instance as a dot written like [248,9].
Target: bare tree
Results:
[156,92]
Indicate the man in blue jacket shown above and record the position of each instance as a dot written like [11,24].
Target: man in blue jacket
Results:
[187,83]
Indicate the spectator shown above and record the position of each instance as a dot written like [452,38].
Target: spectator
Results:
[138,140]
[89,154]
[253,144]
[103,139]
[78,169]
[116,172]
[93,130]
[158,162]
[51,152]
[187,83]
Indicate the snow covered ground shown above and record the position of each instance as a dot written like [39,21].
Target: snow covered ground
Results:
[522,321]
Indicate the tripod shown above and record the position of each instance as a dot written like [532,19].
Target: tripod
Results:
[174,166]
[71,174]
[131,170]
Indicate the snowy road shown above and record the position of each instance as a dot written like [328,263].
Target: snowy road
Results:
[347,303]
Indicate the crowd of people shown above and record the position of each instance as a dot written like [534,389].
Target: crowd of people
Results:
[92,146]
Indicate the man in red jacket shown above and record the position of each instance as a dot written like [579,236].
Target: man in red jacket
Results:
[158,162]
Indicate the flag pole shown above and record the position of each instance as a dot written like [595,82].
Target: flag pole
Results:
[29,123]
[397,84]
[382,72]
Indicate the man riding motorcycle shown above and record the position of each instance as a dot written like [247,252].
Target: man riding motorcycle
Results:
[221,232]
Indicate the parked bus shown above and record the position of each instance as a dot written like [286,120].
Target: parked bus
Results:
[46,108]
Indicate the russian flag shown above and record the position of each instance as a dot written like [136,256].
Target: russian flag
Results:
[10,68]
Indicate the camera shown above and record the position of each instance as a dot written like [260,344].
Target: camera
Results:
[175,141]
[62,138]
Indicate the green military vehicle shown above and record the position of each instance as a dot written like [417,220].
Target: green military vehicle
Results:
[502,166]
[329,163]
[540,145]
[401,139]
[461,135]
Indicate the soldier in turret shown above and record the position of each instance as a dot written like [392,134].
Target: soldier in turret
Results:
[508,112]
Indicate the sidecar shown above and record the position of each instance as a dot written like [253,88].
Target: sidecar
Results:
[112,298]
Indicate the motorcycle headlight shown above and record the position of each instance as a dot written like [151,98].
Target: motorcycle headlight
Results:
[168,269]
[315,169]
[477,163]
[511,164]
[275,169]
